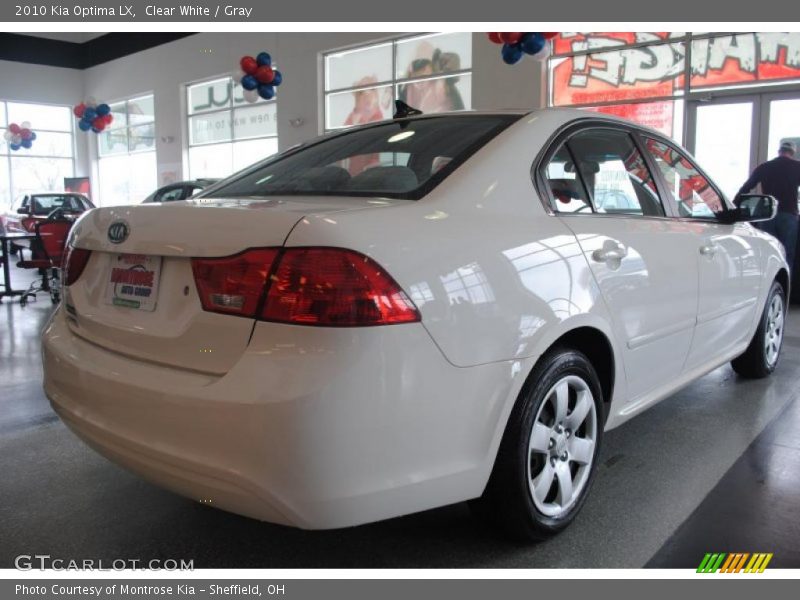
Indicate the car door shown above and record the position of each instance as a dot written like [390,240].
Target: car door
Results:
[639,257]
[728,263]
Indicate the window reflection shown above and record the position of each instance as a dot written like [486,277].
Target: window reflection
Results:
[467,284]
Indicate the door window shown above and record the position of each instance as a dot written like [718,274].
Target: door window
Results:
[569,193]
[176,193]
[615,173]
[691,191]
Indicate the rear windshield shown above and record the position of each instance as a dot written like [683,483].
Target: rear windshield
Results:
[44,205]
[396,159]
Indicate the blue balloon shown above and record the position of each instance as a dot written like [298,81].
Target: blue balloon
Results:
[277,78]
[90,114]
[33,135]
[249,82]
[532,43]
[511,53]
[26,143]
[264,59]
[84,125]
[96,130]
[267,92]
[103,109]
[14,146]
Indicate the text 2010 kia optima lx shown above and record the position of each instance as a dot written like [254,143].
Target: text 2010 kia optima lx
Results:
[410,314]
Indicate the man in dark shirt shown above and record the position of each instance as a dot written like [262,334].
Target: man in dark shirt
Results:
[780,177]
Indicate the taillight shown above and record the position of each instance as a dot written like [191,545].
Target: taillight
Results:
[308,286]
[334,287]
[233,284]
[74,262]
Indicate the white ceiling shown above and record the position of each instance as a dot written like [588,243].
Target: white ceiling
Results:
[77,37]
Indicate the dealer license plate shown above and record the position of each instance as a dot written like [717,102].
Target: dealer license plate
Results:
[133,281]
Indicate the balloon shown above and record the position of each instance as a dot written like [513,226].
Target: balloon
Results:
[84,125]
[78,110]
[89,114]
[249,82]
[511,37]
[266,91]
[33,135]
[97,129]
[248,64]
[277,78]
[264,59]
[26,144]
[7,136]
[532,43]
[511,54]
[494,37]
[25,133]
[550,35]
[103,109]
[99,122]
[14,146]
[91,102]
[14,128]
[109,118]
[543,54]
[238,74]
[264,74]
[26,125]
[251,96]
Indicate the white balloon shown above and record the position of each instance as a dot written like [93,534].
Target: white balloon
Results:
[17,139]
[251,96]
[26,125]
[7,136]
[543,54]
[91,101]
[237,75]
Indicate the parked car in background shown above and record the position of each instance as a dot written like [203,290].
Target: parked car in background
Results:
[412,313]
[21,216]
[179,190]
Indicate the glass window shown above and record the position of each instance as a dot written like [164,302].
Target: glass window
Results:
[127,179]
[225,132]
[691,191]
[394,159]
[665,116]
[34,175]
[133,128]
[569,193]
[171,194]
[44,117]
[45,204]
[429,72]
[615,173]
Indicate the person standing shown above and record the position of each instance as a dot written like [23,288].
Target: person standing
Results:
[780,177]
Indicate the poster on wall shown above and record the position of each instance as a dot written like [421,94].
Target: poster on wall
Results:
[78,185]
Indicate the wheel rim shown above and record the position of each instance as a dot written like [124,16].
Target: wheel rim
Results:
[774,334]
[562,445]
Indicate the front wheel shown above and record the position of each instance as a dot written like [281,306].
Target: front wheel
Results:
[547,458]
[761,356]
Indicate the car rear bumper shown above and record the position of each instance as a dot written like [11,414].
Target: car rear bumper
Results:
[313,427]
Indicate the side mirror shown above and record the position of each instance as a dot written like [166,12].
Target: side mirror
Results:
[751,208]
[23,210]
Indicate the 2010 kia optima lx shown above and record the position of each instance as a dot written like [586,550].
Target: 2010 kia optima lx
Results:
[410,314]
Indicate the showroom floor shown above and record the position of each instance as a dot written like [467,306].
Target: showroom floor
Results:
[714,468]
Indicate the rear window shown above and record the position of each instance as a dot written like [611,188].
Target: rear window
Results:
[44,205]
[397,159]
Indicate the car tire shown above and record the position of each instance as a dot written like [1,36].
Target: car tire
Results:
[764,351]
[553,435]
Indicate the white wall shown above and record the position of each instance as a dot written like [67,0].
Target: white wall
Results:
[165,69]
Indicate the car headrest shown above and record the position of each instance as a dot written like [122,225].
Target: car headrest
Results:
[566,189]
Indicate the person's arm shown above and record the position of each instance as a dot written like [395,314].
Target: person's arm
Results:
[752,181]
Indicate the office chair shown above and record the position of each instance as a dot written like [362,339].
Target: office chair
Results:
[51,242]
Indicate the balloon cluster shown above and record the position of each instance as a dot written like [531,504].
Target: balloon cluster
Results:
[19,136]
[92,115]
[516,45]
[257,77]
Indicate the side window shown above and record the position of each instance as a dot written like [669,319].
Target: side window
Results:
[567,188]
[615,173]
[692,192]
[171,194]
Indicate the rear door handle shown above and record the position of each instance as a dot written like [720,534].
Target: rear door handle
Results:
[708,250]
[611,253]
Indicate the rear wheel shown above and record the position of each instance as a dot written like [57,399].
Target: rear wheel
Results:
[547,457]
[761,356]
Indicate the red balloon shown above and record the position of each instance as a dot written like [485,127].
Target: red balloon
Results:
[248,64]
[25,133]
[108,118]
[549,36]
[78,110]
[99,123]
[494,37]
[264,74]
[14,128]
[511,37]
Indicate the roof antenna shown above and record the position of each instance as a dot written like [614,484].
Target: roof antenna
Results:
[403,110]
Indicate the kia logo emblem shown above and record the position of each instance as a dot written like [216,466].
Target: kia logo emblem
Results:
[118,232]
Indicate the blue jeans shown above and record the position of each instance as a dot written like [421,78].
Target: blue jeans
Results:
[783,227]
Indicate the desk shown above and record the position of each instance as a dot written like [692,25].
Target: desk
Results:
[5,243]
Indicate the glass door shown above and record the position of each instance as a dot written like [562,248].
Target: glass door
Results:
[780,121]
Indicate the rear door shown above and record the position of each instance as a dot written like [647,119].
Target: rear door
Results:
[646,271]
[728,263]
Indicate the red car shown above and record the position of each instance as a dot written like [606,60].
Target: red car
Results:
[22,215]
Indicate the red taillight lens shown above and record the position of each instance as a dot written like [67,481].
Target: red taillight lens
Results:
[74,262]
[334,287]
[233,284]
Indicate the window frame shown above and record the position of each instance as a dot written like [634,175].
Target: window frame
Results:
[637,133]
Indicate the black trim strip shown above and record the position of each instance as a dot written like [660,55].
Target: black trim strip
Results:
[57,53]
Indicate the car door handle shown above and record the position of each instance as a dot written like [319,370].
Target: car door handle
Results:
[708,250]
[611,254]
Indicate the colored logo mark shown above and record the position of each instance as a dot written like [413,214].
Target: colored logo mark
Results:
[721,562]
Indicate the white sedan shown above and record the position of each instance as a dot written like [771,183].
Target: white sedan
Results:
[410,314]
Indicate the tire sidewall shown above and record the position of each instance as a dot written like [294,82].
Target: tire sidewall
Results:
[775,289]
